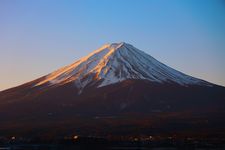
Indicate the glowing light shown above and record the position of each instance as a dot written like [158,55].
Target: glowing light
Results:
[75,137]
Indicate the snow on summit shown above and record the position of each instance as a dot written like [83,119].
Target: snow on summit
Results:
[114,63]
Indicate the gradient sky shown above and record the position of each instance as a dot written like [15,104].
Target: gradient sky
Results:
[39,36]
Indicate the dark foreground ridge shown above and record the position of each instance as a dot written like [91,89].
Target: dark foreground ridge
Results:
[80,143]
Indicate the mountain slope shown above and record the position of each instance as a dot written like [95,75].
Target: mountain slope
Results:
[116,90]
[114,63]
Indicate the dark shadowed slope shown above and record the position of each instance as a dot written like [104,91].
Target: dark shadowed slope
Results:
[117,90]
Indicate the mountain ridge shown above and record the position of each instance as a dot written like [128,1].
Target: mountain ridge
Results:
[59,103]
[114,63]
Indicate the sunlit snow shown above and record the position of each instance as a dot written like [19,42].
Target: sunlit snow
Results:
[113,63]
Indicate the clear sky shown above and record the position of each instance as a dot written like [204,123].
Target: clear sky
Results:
[39,36]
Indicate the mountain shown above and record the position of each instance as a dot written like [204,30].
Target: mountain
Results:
[114,63]
[116,90]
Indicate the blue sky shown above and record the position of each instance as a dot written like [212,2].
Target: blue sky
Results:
[37,37]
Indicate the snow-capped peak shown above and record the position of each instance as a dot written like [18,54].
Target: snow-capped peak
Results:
[114,63]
